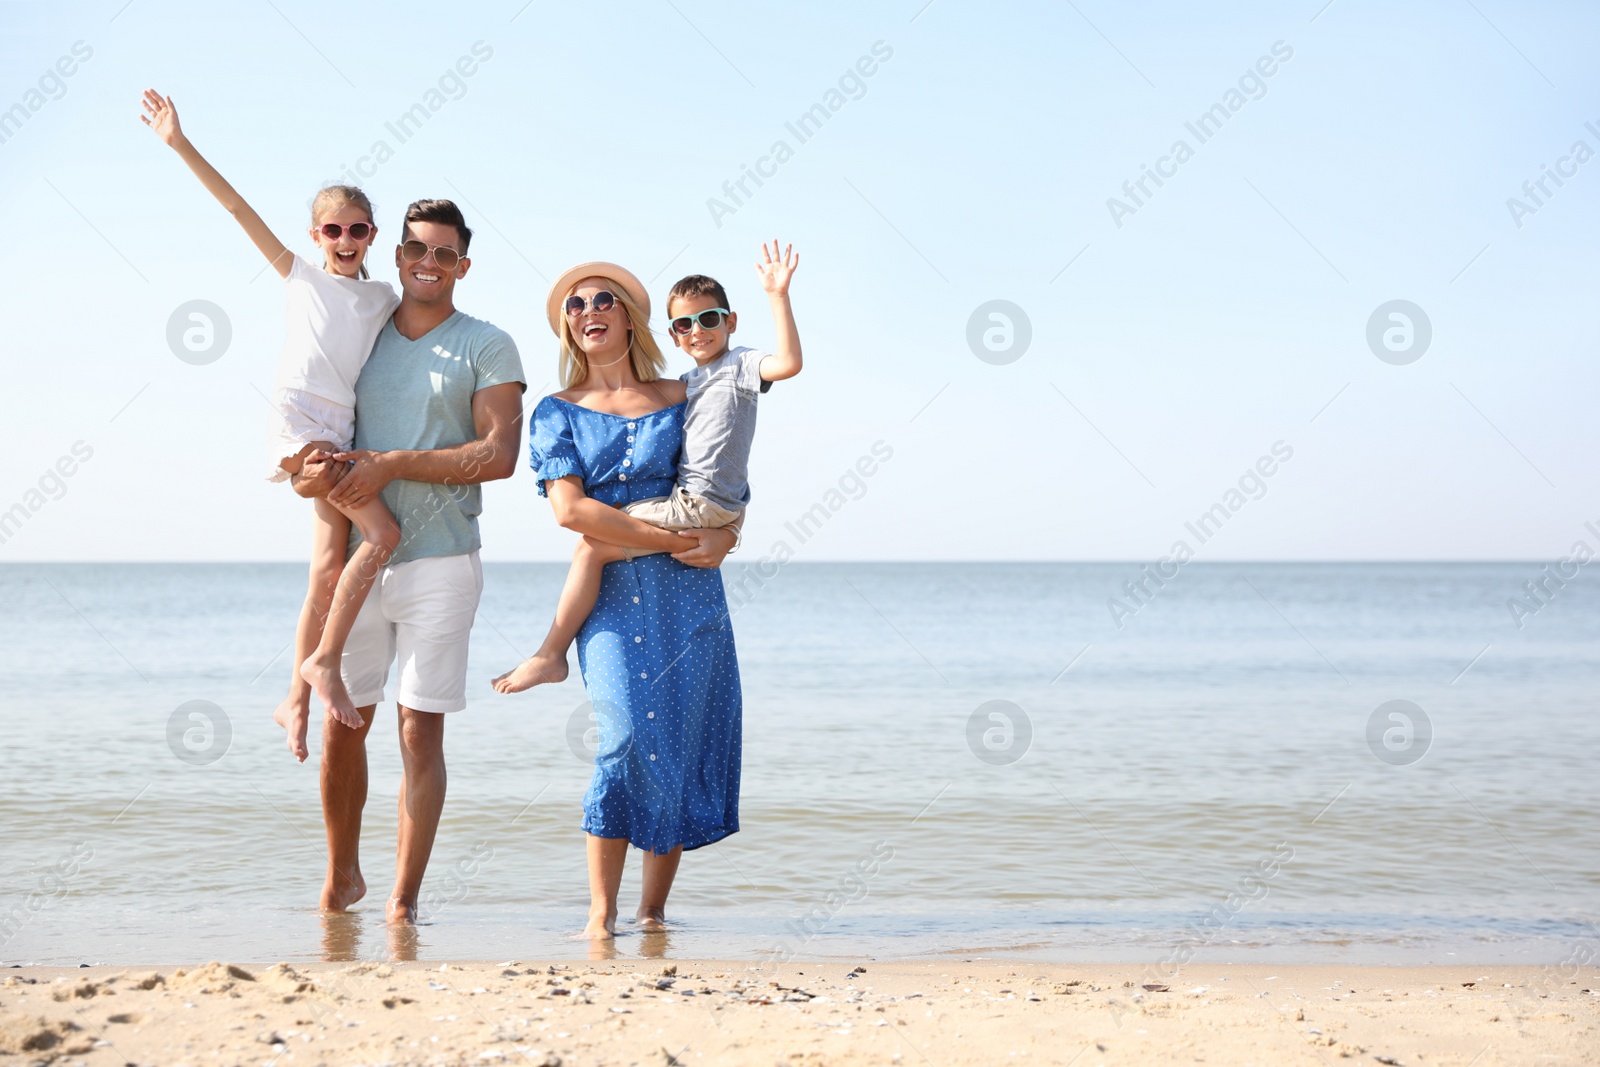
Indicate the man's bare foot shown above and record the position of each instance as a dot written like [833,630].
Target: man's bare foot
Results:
[601,927]
[293,715]
[326,682]
[400,911]
[342,889]
[651,918]
[535,670]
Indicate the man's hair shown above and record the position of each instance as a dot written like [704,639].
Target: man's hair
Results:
[444,212]
[697,285]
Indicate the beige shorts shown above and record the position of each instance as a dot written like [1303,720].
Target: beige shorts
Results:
[682,510]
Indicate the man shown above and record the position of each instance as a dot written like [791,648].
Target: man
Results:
[438,411]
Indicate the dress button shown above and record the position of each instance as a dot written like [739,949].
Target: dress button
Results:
[631,425]
[638,640]
[651,715]
[630,451]
[642,674]
[635,600]
[627,463]
[652,757]
[630,438]
[622,477]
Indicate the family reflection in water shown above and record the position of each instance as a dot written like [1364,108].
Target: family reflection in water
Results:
[354,936]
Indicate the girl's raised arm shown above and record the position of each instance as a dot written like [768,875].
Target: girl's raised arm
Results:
[162,117]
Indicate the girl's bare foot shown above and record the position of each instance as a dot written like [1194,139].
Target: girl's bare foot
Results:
[293,715]
[535,670]
[601,926]
[399,911]
[651,918]
[325,681]
[342,889]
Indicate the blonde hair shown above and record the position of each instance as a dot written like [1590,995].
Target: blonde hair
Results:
[331,198]
[643,353]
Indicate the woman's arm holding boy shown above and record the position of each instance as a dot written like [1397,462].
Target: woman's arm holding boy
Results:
[577,511]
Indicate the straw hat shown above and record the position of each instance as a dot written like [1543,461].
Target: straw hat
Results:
[635,289]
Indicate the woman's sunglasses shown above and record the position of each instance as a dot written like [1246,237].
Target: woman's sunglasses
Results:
[708,319]
[415,251]
[602,302]
[359,231]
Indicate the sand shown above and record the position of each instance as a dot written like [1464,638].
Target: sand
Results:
[939,1012]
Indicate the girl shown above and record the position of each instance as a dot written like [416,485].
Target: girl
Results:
[334,315]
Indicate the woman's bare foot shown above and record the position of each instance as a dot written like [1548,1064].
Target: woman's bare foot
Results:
[400,911]
[601,926]
[325,681]
[535,670]
[293,715]
[650,919]
[342,889]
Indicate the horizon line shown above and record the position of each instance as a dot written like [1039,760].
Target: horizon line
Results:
[1128,561]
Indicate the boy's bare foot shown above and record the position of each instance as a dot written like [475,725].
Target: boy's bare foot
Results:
[326,682]
[535,670]
[293,715]
[342,889]
[651,918]
[601,927]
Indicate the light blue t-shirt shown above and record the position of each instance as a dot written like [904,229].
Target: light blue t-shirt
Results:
[415,395]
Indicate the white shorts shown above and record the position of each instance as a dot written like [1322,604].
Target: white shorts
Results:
[302,418]
[421,610]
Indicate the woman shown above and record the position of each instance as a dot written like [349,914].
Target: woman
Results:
[657,653]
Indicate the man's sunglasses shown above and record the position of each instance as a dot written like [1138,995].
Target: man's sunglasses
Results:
[359,231]
[708,319]
[415,251]
[602,302]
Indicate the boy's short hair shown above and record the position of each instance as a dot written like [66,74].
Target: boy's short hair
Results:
[443,212]
[697,285]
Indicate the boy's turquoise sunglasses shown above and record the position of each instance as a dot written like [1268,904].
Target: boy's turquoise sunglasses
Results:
[709,319]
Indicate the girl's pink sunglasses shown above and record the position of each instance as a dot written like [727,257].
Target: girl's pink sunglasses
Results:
[359,231]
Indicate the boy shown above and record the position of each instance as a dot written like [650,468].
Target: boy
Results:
[718,429]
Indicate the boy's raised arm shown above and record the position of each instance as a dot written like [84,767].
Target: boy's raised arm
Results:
[775,273]
[162,117]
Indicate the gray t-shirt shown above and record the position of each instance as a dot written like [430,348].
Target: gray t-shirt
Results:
[719,426]
[418,395]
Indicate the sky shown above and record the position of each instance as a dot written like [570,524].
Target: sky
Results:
[1345,272]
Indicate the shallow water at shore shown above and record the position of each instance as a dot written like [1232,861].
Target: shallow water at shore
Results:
[1206,779]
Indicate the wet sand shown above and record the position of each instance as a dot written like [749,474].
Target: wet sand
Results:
[939,1011]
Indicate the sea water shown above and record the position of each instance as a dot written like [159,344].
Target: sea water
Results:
[1372,763]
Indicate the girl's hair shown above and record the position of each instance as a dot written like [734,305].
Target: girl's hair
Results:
[646,358]
[331,198]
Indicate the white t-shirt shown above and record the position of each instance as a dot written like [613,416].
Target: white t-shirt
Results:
[332,322]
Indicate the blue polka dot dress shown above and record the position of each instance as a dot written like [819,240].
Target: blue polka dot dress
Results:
[657,653]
